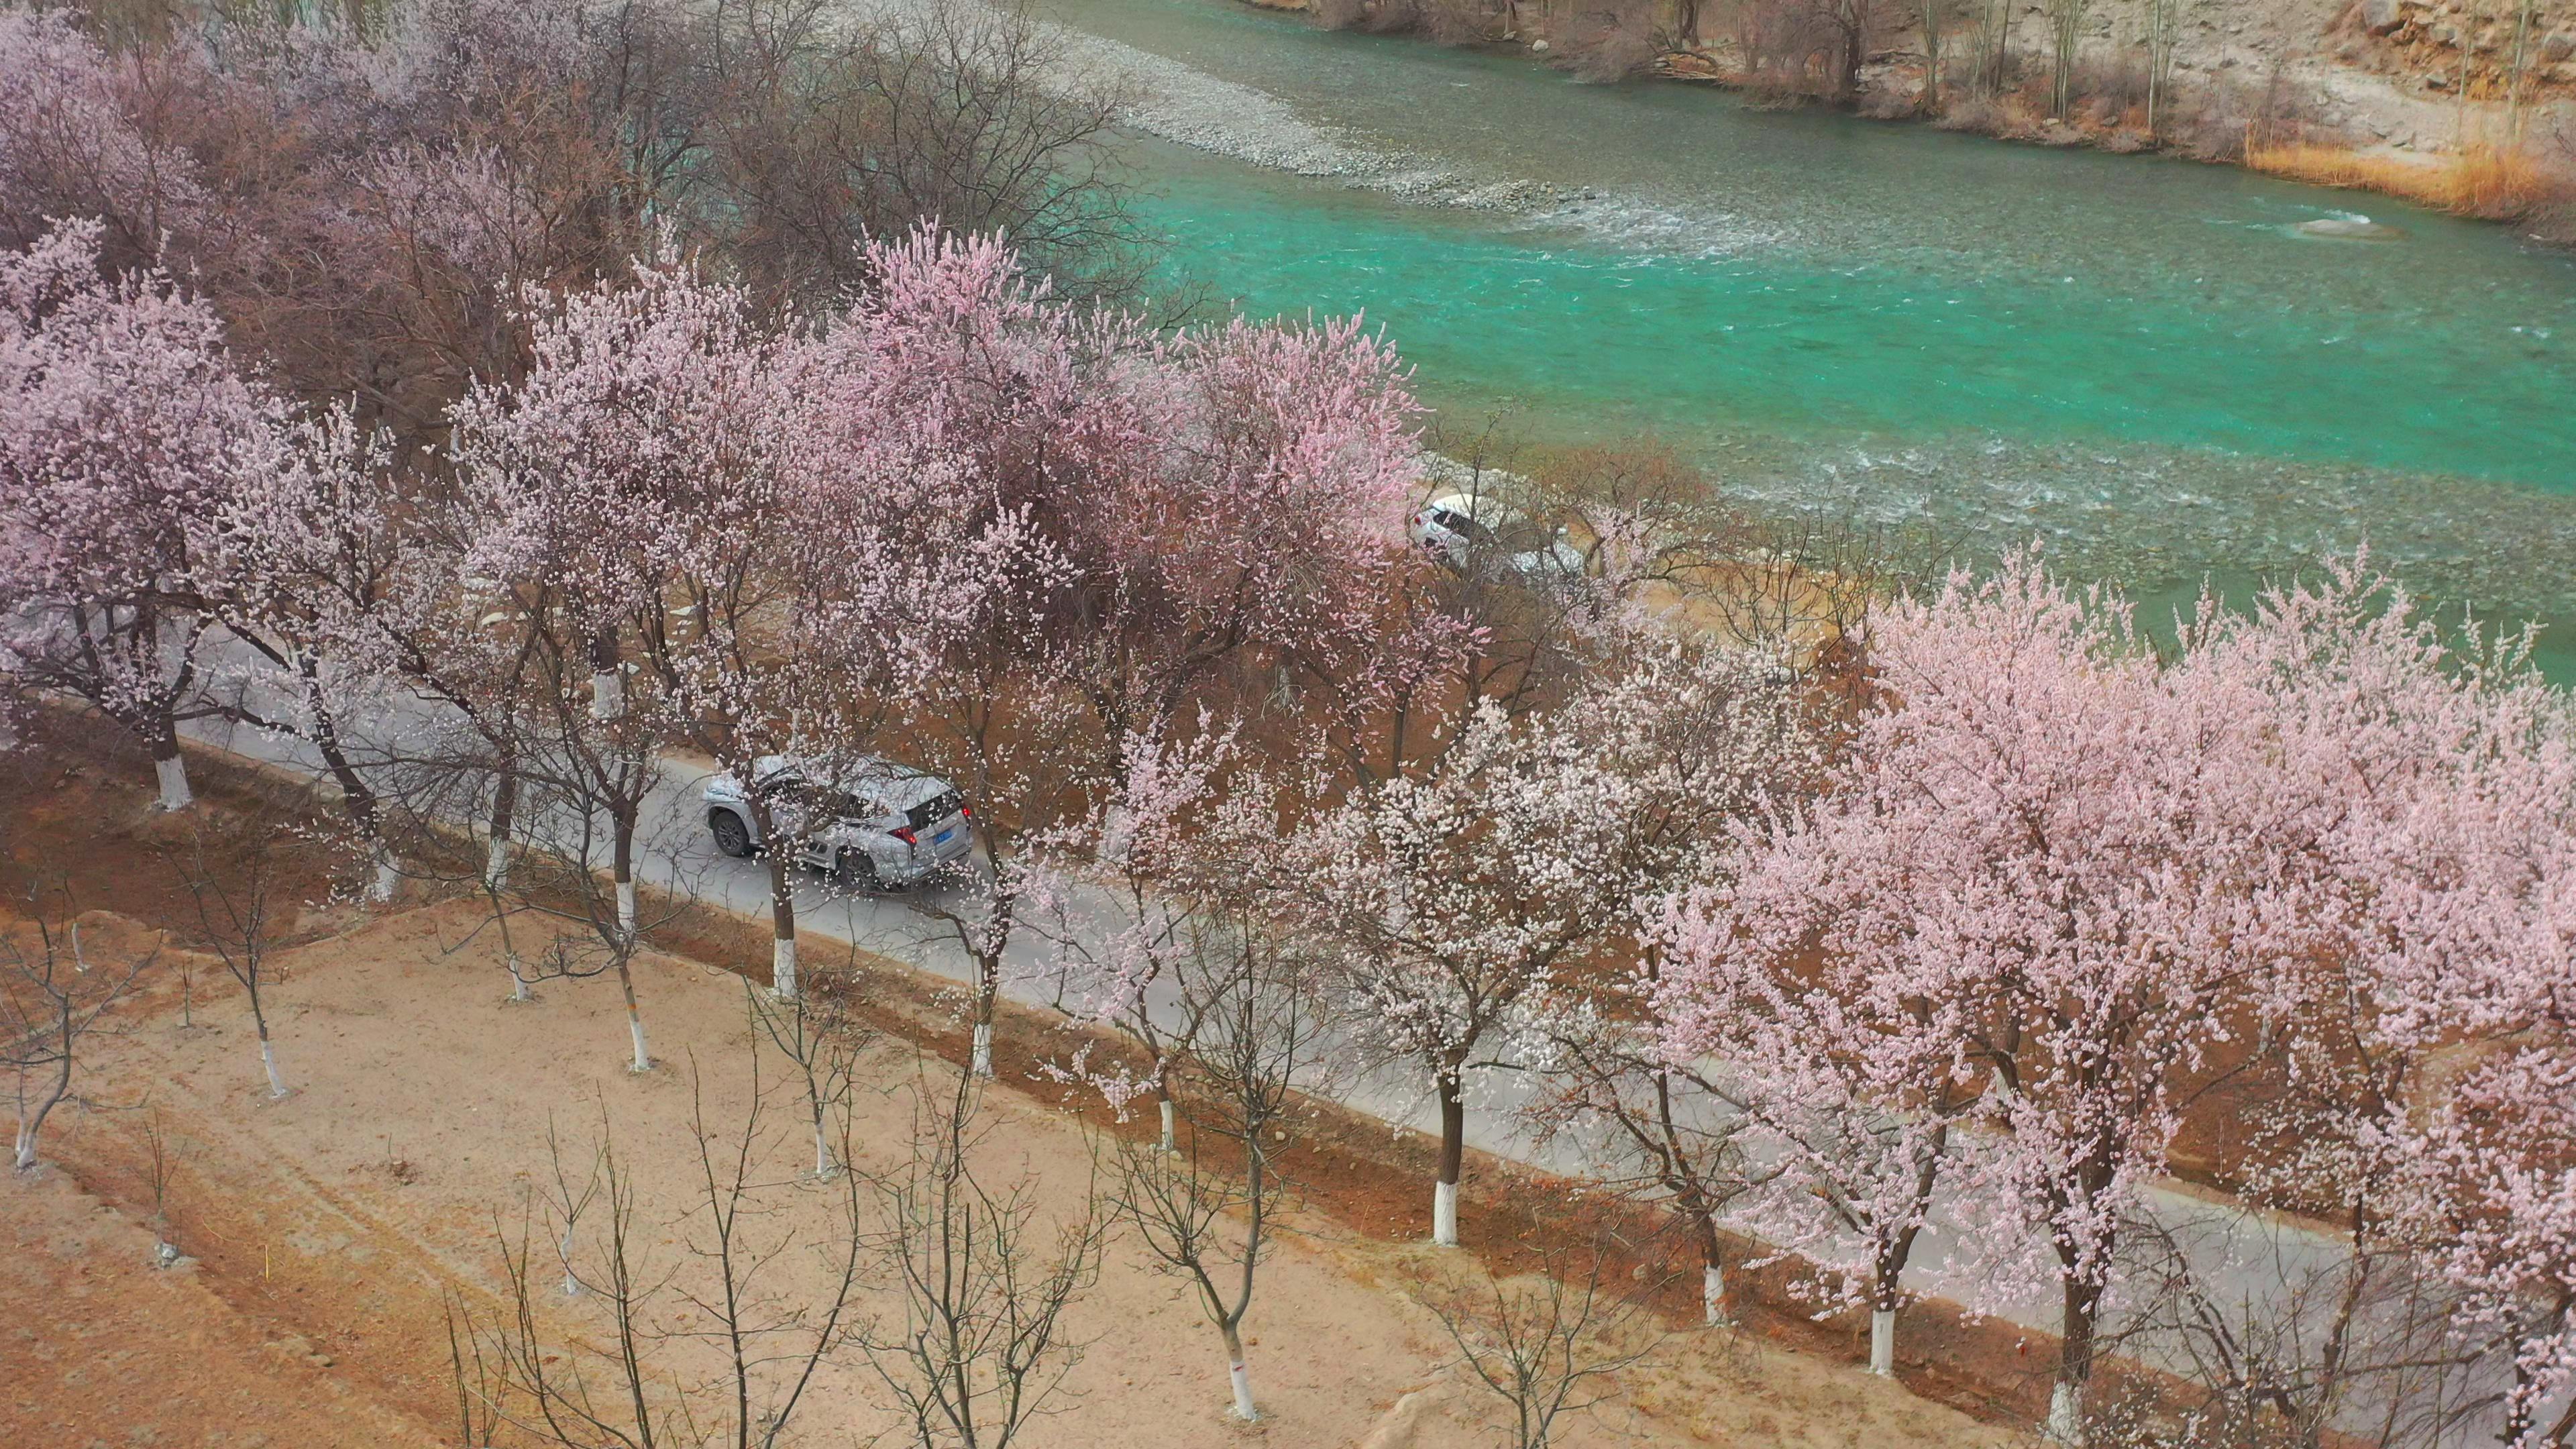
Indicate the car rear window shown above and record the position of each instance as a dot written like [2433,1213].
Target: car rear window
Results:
[933,810]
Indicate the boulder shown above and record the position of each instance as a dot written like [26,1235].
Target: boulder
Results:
[2382,17]
[2558,47]
[2349,228]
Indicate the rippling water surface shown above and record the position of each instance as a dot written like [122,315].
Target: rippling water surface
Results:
[2145,361]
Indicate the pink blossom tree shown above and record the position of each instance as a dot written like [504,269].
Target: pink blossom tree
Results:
[1702,738]
[1455,903]
[635,477]
[2065,853]
[1847,1071]
[1119,519]
[2439,785]
[1158,848]
[126,430]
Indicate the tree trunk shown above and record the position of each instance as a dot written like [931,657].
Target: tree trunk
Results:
[1453,1156]
[782,915]
[32,1123]
[634,1015]
[1712,1274]
[607,679]
[1882,1342]
[172,769]
[496,851]
[356,796]
[988,992]
[2074,1363]
[1238,1375]
[621,873]
[268,1061]
[1171,1143]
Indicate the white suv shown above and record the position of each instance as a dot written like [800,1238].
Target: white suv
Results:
[1477,532]
[876,826]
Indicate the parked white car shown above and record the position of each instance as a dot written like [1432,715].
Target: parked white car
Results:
[1474,531]
[878,825]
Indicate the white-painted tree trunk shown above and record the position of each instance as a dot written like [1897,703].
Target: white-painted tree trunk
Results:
[519,981]
[1444,1214]
[387,881]
[626,914]
[1712,1295]
[1882,1342]
[822,1151]
[496,863]
[635,1028]
[981,1061]
[1171,1142]
[782,967]
[607,694]
[2065,1416]
[173,772]
[572,1284]
[268,1059]
[1241,1377]
[25,1155]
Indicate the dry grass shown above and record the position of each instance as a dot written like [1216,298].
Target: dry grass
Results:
[2493,182]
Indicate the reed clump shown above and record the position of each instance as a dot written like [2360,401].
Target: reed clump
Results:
[2497,183]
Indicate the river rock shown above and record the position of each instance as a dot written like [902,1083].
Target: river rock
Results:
[2382,17]
[2558,47]
[2349,228]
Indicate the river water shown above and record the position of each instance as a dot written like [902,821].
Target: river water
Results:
[2144,362]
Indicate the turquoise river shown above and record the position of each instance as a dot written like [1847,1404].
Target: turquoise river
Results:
[2144,362]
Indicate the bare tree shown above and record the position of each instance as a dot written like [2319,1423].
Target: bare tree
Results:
[1259,1042]
[639,1391]
[2066,33]
[228,868]
[821,1039]
[985,1273]
[2280,1346]
[1549,1347]
[969,114]
[2164,32]
[48,1006]
[159,1161]
[1675,1137]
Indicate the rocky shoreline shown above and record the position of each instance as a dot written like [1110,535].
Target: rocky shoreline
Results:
[2413,87]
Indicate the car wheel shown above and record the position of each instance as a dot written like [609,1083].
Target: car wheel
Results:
[732,836]
[856,870]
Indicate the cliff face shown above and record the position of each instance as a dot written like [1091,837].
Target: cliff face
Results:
[2408,74]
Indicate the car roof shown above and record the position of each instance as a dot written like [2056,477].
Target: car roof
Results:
[1485,508]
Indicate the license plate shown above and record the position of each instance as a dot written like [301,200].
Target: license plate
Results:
[942,837]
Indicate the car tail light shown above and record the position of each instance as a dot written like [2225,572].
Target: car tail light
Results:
[906,836]
[966,812]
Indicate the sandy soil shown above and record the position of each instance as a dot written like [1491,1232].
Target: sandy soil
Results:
[331,1226]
